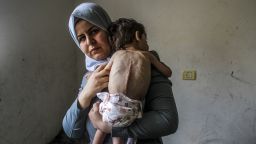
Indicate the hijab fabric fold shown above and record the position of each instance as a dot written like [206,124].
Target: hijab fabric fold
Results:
[97,16]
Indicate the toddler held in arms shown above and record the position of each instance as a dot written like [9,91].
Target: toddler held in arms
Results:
[129,78]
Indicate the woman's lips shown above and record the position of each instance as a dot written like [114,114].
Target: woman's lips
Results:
[94,50]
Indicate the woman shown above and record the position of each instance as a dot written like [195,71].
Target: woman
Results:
[88,27]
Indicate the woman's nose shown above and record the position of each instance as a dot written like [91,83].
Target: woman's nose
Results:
[90,40]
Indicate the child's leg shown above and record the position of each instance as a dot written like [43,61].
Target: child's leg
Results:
[117,140]
[99,137]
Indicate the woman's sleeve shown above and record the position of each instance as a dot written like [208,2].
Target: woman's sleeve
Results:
[160,117]
[75,119]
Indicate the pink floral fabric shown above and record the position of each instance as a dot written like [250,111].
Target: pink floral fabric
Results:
[118,110]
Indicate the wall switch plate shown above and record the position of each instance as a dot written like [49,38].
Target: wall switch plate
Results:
[189,75]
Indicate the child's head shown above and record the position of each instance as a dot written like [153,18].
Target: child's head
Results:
[125,32]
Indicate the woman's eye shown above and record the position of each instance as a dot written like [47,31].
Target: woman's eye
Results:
[82,38]
[94,31]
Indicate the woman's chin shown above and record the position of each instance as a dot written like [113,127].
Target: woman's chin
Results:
[99,57]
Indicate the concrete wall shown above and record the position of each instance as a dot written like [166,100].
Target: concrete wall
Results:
[217,39]
[38,69]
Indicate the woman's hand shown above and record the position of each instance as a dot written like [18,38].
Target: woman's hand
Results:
[97,81]
[96,119]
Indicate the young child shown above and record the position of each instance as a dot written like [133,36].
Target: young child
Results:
[129,76]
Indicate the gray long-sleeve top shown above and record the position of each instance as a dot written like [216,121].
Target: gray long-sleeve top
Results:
[160,117]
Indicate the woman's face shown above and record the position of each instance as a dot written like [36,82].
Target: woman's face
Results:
[93,40]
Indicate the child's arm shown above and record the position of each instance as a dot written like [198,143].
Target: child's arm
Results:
[164,69]
[99,137]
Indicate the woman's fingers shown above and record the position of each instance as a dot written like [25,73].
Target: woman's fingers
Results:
[96,119]
[103,79]
[94,115]
[95,106]
[104,72]
[109,65]
[101,67]
[104,85]
[101,72]
[97,81]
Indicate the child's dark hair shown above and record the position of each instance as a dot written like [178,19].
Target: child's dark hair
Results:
[122,32]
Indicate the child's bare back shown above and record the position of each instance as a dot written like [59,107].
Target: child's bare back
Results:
[130,74]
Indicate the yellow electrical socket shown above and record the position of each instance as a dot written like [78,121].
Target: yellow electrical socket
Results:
[189,75]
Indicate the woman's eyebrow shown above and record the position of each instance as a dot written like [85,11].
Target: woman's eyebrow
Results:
[79,35]
[91,28]
[88,31]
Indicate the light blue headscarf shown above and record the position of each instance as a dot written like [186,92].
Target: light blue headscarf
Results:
[97,16]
